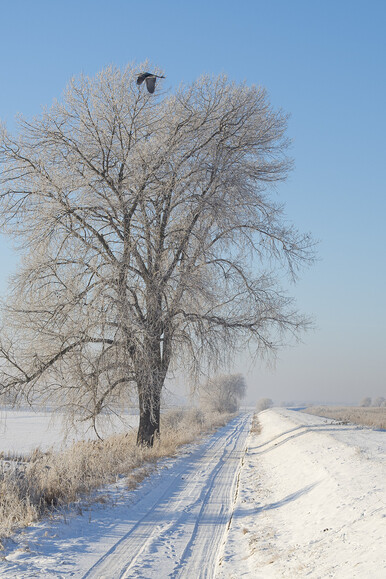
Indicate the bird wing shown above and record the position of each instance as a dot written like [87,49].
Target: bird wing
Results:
[142,77]
[150,83]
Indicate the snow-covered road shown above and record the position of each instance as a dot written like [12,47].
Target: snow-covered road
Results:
[174,526]
[180,526]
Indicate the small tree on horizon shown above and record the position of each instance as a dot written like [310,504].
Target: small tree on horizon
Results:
[148,241]
[365,402]
[380,401]
[223,393]
[264,404]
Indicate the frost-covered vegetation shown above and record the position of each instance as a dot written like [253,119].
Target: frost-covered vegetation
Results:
[223,393]
[263,404]
[366,416]
[42,482]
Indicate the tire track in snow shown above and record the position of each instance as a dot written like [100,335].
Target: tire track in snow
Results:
[181,529]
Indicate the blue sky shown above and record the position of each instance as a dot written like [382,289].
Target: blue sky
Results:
[324,63]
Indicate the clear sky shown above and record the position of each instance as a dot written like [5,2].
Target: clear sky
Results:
[324,62]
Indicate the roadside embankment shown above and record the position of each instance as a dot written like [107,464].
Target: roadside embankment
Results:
[312,501]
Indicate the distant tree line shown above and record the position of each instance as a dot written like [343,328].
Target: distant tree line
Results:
[378,402]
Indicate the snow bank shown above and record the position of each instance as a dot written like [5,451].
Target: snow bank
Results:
[311,501]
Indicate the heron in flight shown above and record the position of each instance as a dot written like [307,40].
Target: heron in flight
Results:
[150,80]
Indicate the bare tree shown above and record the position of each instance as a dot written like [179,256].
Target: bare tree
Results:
[379,401]
[264,404]
[223,393]
[147,240]
[365,402]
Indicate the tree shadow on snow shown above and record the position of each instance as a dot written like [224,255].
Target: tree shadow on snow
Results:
[287,499]
[281,503]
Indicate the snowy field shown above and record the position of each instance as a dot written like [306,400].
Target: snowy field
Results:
[22,431]
[303,498]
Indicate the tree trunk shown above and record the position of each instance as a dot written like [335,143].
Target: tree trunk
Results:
[151,371]
[149,415]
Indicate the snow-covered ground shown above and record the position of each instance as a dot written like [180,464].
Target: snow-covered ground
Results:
[312,501]
[304,498]
[22,431]
[173,525]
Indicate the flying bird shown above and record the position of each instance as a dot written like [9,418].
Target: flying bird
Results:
[150,80]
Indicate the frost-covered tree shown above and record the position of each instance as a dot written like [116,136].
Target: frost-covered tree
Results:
[264,404]
[365,402]
[148,240]
[380,401]
[223,393]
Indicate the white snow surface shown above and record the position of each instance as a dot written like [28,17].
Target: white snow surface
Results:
[311,501]
[303,498]
[22,431]
[173,525]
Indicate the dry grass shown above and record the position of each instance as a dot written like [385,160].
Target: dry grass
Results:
[256,426]
[42,482]
[373,417]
